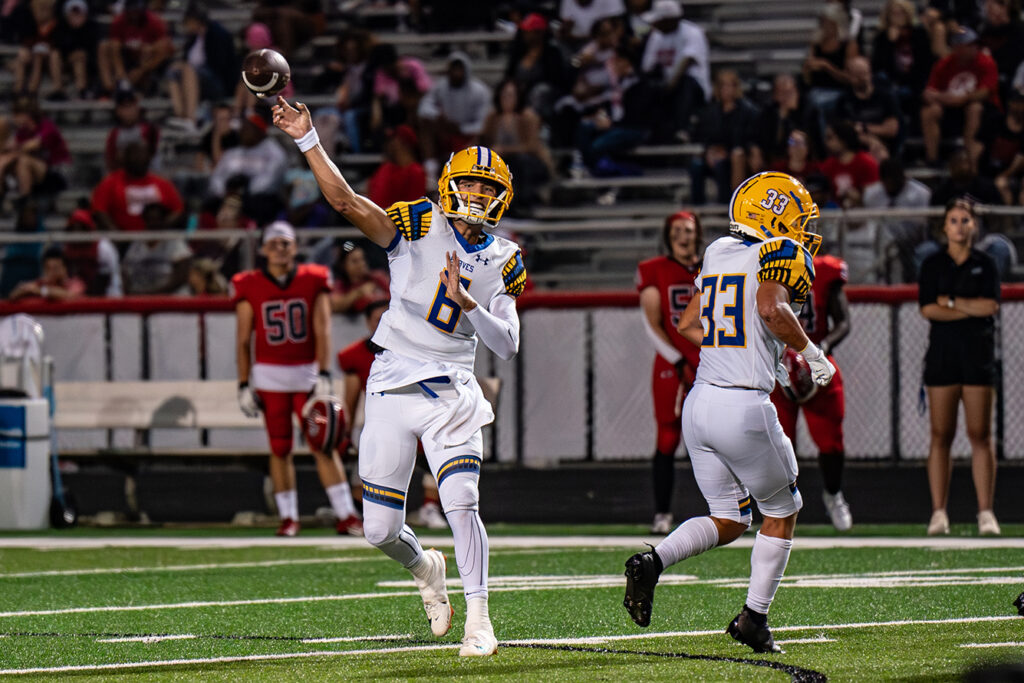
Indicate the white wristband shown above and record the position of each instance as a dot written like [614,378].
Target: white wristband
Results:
[308,141]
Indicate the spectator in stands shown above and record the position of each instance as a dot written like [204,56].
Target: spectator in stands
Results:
[824,70]
[798,161]
[592,82]
[36,156]
[452,114]
[36,48]
[848,167]
[136,51]
[95,263]
[964,181]
[222,136]
[727,127]
[537,64]
[902,53]
[677,56]
[962,87]
[207,71]
[130,125]
[225,213]
[398,86]
[959,295]
[625,123]
[346,75]
[257,37]
[854,20]
[1002,33]
[355,284]
[293,24]
[512,130]
[205,279]
[304,204]
[872,109]
[895,190]
[55,285]
[21,259]
[578,16]
[400,178]
[259,158]
[943,18]
[119,199]
[1006,152]
[784,114]
[156,266]
[76,40]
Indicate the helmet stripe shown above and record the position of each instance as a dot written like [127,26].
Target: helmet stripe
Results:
[799,204]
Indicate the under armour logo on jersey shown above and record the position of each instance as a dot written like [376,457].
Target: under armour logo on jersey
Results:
[480,259]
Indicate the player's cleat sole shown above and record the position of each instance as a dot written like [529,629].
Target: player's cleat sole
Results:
[288,528]
[482,643]
[758,637]
[350,526]
[642,572]
[838,510]
[434,592]
[1019,604]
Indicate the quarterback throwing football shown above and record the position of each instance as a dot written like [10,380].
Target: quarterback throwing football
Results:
[451,283]
[742,320]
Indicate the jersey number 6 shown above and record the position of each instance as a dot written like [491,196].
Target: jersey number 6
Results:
[445,313]
[724,302]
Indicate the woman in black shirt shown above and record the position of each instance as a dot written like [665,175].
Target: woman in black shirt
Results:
[959,295]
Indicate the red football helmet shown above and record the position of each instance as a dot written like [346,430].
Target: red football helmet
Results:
[323,422]
[802,386]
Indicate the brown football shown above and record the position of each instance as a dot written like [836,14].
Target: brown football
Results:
[265,72]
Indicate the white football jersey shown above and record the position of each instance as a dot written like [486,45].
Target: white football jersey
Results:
[422,323]
[738,348]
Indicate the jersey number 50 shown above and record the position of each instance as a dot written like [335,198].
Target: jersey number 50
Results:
[285,321]
[722,310]
[445,313]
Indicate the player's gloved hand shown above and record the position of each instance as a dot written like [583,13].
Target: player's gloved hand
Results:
[248,401]
[323,386]
[821,369]
[782,374]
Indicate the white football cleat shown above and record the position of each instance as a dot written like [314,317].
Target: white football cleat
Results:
[480,643]
[939,524]
[662,523]
[435,593]
[838,510]
[987,524]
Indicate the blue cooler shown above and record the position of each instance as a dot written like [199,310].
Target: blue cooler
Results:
[24,463]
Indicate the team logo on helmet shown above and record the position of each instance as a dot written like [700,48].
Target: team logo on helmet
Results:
[323,423]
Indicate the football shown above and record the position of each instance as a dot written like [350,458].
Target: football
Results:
[802,387]
[265,72]
[323,423]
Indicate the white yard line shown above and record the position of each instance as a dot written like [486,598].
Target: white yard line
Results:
[147,639]
[185,567]
[992,645]
[355,639]
[338,542]
[802,641]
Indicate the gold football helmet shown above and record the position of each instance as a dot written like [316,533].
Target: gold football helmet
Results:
[773,204]
[472,207]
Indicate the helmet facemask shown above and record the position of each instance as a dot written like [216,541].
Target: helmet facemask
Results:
[475,207]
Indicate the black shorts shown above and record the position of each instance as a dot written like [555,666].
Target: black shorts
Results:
[969,361]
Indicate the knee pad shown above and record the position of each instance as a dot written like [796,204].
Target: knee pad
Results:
[382,525]
[783,503]
[459,492]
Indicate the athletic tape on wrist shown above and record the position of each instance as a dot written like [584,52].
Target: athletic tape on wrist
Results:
[308,141]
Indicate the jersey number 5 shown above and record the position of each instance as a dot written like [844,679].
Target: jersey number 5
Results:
[445,313]
[285,321]
[722,310]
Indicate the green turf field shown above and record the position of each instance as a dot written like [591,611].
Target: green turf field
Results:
[226,605]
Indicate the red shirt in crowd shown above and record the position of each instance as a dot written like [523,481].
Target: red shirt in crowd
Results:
[133,37]
[356,359]
[123,198]
[283,311]
[52,147]
[381,290]
[392,183]
[859,172]
[953,76]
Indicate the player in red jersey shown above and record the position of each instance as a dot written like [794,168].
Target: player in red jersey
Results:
[287,307]
[826,318]
[666,287]
[354,361]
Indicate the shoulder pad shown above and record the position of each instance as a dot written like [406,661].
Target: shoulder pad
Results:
[412,218]
[513,274]
[785,261]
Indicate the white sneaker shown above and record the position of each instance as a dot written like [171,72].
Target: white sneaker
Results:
[662,523]
[432,517]
[480,643]
[435,593]
[939,524]
[987,524]
[838,511]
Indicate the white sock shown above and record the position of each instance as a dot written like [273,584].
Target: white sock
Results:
[768,562]
[476,615]
[690,538]
[287,504]
[341,500]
